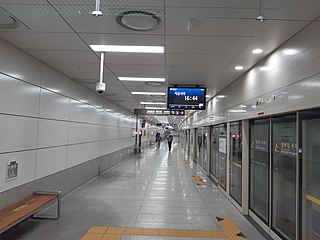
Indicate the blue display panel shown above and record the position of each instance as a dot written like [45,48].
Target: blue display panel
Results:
[186,98]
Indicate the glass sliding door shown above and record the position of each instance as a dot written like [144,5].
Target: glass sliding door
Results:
[259,168]
[284,164]
[199,149]
[236,161]
[205,160]
[222,170]
[309,129]
[192,143]
[188,141]
[214,151]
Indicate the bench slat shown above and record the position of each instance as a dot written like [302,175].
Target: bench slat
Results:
[17,212]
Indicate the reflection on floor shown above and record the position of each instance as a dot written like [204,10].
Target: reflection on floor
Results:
[154,189]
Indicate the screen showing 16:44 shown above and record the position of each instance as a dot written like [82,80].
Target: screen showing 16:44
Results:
[186,98]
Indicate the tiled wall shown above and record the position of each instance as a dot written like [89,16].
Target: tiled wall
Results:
[53,127]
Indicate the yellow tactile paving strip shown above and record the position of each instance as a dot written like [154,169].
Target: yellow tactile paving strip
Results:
[230,228]
[229,231]
[198,180]
[187,162]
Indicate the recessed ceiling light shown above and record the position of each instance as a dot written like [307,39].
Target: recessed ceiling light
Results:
[238,68]
[148,93]
[153,103]
[126,48]
[257,51]
[289,52]
[142,79]
[221,96]
[207,96]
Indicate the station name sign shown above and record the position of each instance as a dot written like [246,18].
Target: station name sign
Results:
[159,112]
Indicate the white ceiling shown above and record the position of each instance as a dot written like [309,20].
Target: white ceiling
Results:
[59,32]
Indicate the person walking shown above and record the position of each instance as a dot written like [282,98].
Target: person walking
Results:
[170,139]
[157,141]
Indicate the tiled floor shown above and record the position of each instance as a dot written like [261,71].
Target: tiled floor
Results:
[152,190]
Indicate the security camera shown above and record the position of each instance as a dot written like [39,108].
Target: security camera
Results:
[100,88]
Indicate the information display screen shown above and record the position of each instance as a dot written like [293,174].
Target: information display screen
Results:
[186,98]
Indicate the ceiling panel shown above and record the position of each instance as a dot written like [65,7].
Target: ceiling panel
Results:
[113,3]
[135,58]
[137,70]
[24,1]
[217,27]
[38,17]
[35,40]
[223,13]
[198,59]
[205,44]
[78,70]
[124,39]
[194,75]
[224,3]
[65,56]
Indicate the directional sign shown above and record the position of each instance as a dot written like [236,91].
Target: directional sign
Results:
[159,112]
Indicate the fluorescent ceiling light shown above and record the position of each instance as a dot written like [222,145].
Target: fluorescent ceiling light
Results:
[221,96]
[257,51]
[207,96]
[289,52]
[154,103]
[238,68]
[238,111]
[126,48]
[142,79]
[148,93]
[155,108]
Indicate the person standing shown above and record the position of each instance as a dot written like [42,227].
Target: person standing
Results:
[170,139]
[157,141]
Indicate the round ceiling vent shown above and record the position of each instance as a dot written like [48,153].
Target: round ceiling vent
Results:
[138,20]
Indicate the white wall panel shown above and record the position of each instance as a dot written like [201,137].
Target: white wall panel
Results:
[52,133]
[53,105]
[77,154]
[94,133]
[18,97]
[78,133]
[55,81]
[51,160]
[109,133]
[17,133]
[94,115]
[26,169]
[110,119]
[125,132]
[78,111]
[79,92]
[18,64]
[94,150]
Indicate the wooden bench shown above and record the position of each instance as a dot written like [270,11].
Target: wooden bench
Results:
[29,207]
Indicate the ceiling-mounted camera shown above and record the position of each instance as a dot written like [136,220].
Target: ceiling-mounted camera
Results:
[100,88]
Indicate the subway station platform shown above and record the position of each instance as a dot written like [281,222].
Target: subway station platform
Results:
[152,195]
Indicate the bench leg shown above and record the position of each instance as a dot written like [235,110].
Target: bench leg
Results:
[58,212]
